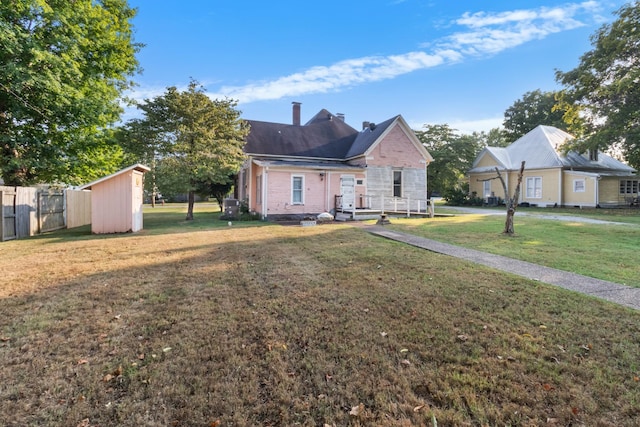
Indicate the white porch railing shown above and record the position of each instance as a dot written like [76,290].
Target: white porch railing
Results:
[386,204]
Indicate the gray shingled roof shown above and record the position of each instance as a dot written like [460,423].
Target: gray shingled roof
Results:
[325,136]
[541,148]
[367,137]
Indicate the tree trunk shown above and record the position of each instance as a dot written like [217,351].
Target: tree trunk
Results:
[508,224]
[192,200]
[512,202]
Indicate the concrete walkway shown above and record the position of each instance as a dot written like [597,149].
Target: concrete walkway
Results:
[614,292]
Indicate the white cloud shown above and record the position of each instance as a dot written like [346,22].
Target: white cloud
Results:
[483,33]
[464,126]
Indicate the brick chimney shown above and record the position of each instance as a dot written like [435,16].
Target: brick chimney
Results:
[296,113]
[365,125]
[340,116]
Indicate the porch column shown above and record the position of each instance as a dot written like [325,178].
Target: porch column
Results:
[264,192]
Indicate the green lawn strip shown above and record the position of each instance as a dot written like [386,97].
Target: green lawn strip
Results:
[607,252]
[298,325]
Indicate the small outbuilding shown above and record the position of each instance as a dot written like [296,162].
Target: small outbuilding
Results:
[116,201]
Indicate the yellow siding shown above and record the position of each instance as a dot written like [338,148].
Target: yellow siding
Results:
[486,161]
[476,184]
[609,191]
[573,198]
[550,186]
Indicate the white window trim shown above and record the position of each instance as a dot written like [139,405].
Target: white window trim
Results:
[393,183]
[293,178]
[534,187]
[577,188]
[486,189]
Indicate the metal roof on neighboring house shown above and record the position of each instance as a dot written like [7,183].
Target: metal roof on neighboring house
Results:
[541,148]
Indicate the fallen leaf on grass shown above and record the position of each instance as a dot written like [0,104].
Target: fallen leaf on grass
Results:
[116,373]
[636,378]
[575,410]
[215,423]
[405,362]
[356,411]
[548,387]
[552,421]
[418,408]
[83,362]
[383,334]
[462,337]
[5,339]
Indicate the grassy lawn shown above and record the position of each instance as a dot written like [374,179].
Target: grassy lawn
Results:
[206,324]
[608,252]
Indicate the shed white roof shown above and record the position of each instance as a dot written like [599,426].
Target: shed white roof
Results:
[139,167]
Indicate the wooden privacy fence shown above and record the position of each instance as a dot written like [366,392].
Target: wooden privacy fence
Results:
[27,211]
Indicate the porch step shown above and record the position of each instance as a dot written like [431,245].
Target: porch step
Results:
[341,216]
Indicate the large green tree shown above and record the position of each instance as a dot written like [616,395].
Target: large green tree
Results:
[195,138]
[533,109]
[63,67]
[605,87]
[453,154]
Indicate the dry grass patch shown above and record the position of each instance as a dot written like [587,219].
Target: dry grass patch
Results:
[297,326]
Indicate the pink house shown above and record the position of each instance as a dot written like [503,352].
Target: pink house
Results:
[293,170]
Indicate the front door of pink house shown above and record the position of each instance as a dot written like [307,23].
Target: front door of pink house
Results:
[347,191]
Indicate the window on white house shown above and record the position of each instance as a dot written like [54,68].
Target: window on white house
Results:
[397,183]
[297,193]
[534,187]
[579,186]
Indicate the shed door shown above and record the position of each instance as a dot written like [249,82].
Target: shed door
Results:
[347,191]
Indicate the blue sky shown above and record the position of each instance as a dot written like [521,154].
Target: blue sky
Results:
[459,62]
